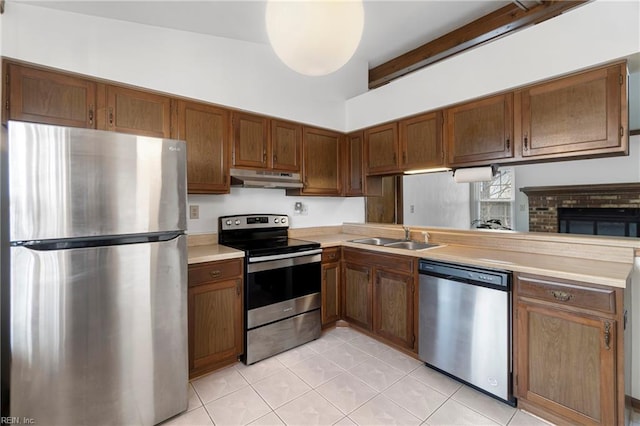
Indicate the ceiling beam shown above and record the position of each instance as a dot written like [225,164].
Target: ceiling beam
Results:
[497,24]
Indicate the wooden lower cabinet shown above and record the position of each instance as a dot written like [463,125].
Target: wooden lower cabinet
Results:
[379,295]
[568,351]
[330,307]
[357,294]
[215,315]
[393,307]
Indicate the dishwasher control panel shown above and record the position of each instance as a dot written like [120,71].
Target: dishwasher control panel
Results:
[467,273]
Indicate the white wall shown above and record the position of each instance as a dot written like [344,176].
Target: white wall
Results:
[318,211]
[218,70]
[437,201]
[591,34]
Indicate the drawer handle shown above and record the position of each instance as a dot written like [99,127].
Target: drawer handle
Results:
[332,256]
[215,274]
[561,295]
[607,335]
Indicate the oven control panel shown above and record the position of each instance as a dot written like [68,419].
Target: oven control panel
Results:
[253,221]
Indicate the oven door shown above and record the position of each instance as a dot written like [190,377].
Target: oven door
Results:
[281,286]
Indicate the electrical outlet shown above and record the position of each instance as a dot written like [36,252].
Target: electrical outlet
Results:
[412,208]
[194,212]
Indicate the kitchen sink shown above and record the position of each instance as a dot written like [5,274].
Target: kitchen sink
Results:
[411,245]
[376,241]
[394,243]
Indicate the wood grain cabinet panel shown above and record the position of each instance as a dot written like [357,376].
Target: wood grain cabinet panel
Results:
[381,149]
[357,295]
[421,141]
[205,129]
[250,140]
[576,115]
[286,144]
[393,307]
[215,316]
[49,97]
[331,287]
[481,131]
[321,156]
[137,112]
[568,351]
[378,295]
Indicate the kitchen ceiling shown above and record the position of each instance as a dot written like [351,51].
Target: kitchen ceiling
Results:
[392,27]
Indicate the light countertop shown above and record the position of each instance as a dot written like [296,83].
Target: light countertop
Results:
[586,270]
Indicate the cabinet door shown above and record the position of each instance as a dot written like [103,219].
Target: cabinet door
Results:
[393,307]
[354,172]
[49,97]
[286,143]
[421,141]
[138,112]
[357,295]
[321,162]
[480,131]
[204,128]
[215,324]
[566,363]
[575,115]
[250,138]
[330,293]
[381,148]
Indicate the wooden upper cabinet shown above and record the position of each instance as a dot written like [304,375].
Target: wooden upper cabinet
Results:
[353,170]
[576,115]
[205,129]
[421,141]
[320,163]
[286,144]
[138,112]
[262,143]
[381,149]
[49,97]
[250,139]
[481,131]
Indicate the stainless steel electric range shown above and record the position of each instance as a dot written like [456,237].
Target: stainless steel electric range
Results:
[282,282]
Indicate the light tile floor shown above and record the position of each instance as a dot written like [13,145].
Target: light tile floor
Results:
[343,378]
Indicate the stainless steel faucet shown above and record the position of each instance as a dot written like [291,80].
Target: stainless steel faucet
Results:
[406,233]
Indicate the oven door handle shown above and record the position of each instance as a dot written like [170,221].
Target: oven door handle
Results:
[284,256]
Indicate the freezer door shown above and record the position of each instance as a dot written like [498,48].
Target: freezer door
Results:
[68,183]
[99,335]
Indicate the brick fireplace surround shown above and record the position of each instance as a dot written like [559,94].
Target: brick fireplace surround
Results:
[544,201]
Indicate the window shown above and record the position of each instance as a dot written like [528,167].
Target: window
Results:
[494,201]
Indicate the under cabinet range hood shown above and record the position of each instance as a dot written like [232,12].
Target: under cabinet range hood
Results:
[265,179]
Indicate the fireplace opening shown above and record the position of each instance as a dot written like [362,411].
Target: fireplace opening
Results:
[619,222]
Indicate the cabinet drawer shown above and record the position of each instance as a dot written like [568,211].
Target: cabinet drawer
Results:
[567,293]
[214,271]
[330,255]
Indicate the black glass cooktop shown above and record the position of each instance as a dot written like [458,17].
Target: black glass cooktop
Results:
[266,247]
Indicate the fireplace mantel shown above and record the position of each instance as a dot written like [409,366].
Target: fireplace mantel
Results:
[607,188]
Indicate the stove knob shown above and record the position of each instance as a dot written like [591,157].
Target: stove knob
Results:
[228,222]
[237,222]
[275,220]
[283,220]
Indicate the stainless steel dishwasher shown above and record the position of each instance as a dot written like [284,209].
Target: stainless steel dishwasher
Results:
[465,325]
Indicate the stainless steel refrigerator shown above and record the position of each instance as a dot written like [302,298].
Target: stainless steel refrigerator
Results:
[98,285]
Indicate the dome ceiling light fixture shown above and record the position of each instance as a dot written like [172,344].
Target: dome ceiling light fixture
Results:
[314,37]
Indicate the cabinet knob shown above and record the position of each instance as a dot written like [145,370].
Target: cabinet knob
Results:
[91,115]
[215,274]
[508,143]
[111,116]
[526,142]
